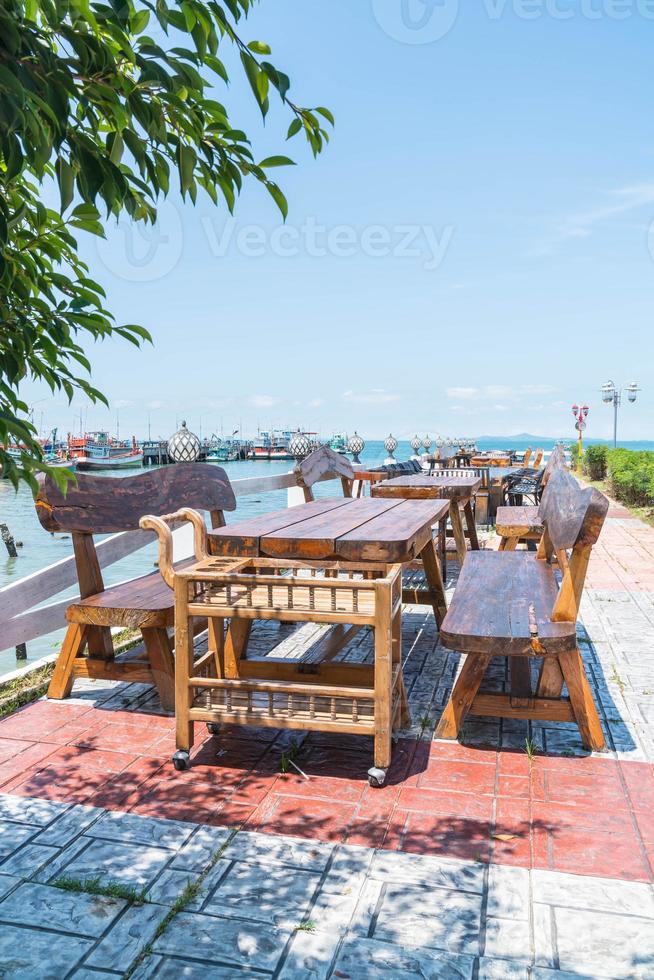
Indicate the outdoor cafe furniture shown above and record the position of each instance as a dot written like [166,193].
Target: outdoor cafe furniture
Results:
[509,604]
[337,562]
[458,489]
[523,522]
[103,505]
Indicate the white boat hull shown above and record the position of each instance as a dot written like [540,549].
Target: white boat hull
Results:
[129,461]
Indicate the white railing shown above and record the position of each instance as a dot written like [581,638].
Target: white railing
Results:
[21,620]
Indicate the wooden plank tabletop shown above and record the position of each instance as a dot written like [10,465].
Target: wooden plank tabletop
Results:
[423,486]
[363,529]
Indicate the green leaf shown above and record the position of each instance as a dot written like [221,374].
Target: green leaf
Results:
[326,114]
[277,162]
[294,128]
[278,198]
[66,181]
[187,161]
[259,47]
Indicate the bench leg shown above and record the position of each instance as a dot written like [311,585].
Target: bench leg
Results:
[434,580]
[550,681]
[183,666]
[162,664]
[471,525]
[520,677]
[581,698]
[62,676]
[457,531]
[462,696]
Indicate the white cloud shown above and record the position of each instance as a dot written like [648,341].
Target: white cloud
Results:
[316,402]
[122,403]
[376,396]
[581,224]
[462,392]
[156,404]
[263,401]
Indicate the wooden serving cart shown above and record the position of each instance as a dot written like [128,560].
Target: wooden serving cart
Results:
[357,699]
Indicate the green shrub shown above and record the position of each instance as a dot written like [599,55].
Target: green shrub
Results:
[631,476]
[575,457]
[595,462]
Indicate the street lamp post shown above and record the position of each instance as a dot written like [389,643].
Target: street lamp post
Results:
[611,394]
[580,414]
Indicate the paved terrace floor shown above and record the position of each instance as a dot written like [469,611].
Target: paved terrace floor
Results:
[474,861]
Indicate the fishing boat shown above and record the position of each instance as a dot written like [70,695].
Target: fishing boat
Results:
[271,445]
[100,451]
[338,444]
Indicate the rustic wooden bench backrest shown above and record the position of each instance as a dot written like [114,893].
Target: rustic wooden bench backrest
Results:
[572,518]
[320,463]
[538,458]
[102,505]
[526,457]
[555,462]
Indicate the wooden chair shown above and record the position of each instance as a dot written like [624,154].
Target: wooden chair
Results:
[527,457]
[318,464]
[510,605]
[101,505]
[524,522]
[538,458]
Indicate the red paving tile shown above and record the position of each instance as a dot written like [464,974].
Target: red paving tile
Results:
[584,815]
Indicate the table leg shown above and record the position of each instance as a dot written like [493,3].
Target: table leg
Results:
[434,580]
[471,525]
[183,666]
[457,531]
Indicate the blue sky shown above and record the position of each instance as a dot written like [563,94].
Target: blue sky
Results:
[470,255]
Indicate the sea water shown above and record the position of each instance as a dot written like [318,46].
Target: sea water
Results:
[38,548]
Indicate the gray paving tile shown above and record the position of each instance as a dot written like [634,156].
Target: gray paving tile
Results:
[46,907]
[310,956]
[611,945]
[28,860]
[7,882]
[508,939]
[134,829]
[490,969]
[128,937]
[508,892]
[84,973]
[223,941]
[430,871]
[131,864]
[57,866]
[370,959]
[174,968]
[276,849]
[69,825]
[14,835]
[23,809]
[438,918]
[30,954]
[199,849]
[279,896]
[596,894]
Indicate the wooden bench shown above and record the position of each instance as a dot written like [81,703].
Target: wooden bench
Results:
[510,605]
[319,464]
[524,522]
[102,505]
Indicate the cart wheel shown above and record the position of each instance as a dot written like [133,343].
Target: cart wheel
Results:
[181,761]
[213,727]
[376,777]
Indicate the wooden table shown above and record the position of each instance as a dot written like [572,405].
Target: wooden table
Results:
[346,530]
[458,490]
